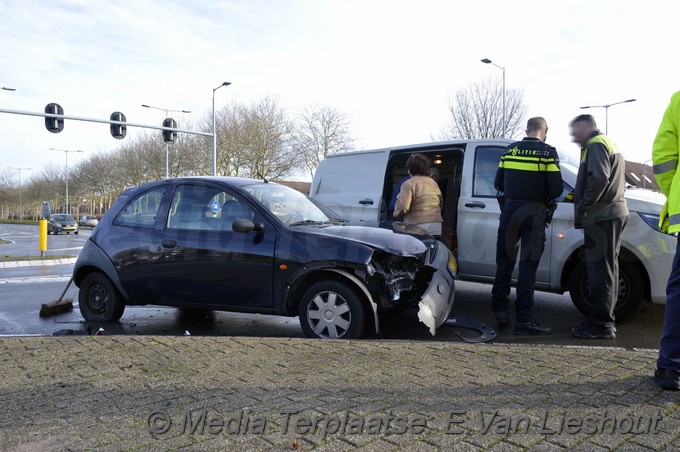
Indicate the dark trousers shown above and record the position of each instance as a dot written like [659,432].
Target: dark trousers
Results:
[669,350]
[602,246]
[520,223]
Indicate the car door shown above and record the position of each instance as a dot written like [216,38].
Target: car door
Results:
[199,260]
[478,217]
[129,242]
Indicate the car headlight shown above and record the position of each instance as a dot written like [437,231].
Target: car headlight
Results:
[651,219]
[57,225]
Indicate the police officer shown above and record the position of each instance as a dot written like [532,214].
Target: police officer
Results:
[530,180]
[665,155]
[601,210]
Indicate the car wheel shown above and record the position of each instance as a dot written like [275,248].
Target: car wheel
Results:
[332,310]
[631,295]
[99,299]
[76,233]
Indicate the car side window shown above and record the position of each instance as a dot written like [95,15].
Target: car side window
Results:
[202,208]
[142,210]
[487,159]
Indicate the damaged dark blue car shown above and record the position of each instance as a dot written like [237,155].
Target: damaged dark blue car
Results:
[234,244]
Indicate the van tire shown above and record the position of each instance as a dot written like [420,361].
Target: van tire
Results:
[631,291]
[332,310]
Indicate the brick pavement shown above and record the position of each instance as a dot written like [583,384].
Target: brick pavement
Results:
[232,393]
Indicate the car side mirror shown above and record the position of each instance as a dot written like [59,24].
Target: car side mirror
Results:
[242,225]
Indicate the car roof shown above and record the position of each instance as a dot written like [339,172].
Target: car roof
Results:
[230,180]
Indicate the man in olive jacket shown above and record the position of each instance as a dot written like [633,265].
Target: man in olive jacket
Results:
[665,155]
[601,211]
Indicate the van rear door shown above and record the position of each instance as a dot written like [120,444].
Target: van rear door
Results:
[351,184]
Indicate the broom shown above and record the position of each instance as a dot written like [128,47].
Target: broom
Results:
[59,306]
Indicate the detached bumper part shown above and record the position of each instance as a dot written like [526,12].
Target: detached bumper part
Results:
[437,301]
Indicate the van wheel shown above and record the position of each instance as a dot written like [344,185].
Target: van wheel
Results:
[99,300]
[631,295]
[332,310]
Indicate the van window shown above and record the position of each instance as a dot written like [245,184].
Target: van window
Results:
[487,159]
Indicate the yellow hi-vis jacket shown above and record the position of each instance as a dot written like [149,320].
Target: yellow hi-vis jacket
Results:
[665,155]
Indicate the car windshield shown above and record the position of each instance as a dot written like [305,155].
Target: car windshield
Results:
[290,206]
[64,218]
[570,157]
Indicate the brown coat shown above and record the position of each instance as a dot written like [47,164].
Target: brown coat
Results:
[419,201]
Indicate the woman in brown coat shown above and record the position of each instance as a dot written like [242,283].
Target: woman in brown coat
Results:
[420,201]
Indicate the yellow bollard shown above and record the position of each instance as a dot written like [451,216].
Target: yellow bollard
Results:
[43,237]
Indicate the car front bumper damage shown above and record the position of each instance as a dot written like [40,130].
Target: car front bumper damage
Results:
[437,301]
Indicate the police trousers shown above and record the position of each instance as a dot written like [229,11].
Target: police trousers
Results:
[521,231]
[669,350]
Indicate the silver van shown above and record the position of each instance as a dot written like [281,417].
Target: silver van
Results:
[359,185]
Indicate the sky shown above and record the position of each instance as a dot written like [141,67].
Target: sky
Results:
[390,65]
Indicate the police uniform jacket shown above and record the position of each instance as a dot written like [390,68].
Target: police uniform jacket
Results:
[529,171]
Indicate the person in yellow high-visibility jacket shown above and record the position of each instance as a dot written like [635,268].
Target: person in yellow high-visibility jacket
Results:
[665,155]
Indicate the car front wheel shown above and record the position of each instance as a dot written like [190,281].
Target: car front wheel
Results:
[332,310]
[631,294]
[99,300]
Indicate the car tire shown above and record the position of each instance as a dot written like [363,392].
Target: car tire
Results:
[99,300]
[76,233]
[332,310]
[631,293]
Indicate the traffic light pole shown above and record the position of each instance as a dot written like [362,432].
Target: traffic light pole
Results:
[103,121]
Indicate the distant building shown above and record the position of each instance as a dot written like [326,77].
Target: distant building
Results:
[641,176]
[302,187]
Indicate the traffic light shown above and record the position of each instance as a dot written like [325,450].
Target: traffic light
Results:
[118,131]
[54,125]
[169,136]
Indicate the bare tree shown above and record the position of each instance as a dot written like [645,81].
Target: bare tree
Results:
[321,131]
[477,112]
[267,135]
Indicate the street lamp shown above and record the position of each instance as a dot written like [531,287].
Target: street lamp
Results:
[21,206]
[606,111]
[644,173]
[68,210]
[167,152]
[7,89]
[214,156]
[488,61]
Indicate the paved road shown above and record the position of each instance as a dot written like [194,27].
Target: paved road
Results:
[23,290]
[25,241]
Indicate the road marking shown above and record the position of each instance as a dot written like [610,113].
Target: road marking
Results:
[66,249]
[36,279]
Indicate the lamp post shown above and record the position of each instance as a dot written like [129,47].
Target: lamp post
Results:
[65,151]
[488,61]
[8,89]
[214,141]
[21,206]
[644,173]
[167,151]
[606,111]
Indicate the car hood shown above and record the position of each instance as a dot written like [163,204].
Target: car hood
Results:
[396,238]
[645,201]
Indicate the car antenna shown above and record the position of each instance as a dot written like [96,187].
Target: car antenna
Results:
[261,177]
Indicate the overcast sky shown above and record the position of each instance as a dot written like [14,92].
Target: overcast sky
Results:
[390,64]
